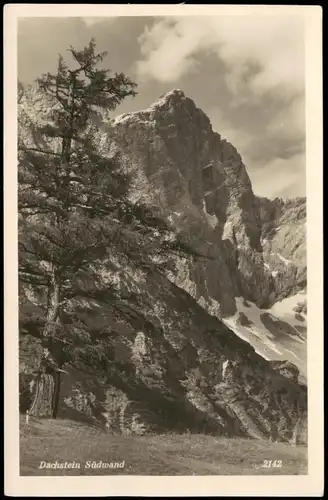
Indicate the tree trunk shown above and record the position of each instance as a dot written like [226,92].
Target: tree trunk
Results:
[45,401]
[46,396]
[55,401]
[47,381]
[53,303]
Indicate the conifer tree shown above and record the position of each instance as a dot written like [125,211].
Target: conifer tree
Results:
[75,213]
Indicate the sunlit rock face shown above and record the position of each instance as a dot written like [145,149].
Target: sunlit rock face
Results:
[256,245]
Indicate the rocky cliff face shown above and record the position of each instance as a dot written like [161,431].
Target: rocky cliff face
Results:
[256,245]
[283,239]
[173,365]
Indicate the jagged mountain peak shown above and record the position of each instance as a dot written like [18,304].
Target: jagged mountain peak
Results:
[171,96]
[184,166]
[176,100]
[169,109]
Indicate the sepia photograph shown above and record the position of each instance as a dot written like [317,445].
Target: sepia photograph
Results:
[162,244]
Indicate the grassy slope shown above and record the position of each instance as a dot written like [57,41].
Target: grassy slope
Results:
[65,440]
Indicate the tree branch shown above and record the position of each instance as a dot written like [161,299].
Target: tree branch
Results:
[39,151]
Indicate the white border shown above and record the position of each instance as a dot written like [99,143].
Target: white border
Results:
[309,485]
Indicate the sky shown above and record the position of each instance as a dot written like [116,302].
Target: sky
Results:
[247,73]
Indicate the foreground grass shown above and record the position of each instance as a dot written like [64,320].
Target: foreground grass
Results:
[171,455]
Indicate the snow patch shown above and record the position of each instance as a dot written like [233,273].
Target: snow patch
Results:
[231,322]
[266,344]
[212,219]
[263,356]
[286,261]
[300,340]
[292,353]
[224,368]
[273,273]
[284,308]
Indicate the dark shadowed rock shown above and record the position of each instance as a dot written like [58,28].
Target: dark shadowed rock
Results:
[287,369]
[243,320]
[175,367]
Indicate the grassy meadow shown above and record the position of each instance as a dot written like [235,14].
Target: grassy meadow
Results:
[170,454]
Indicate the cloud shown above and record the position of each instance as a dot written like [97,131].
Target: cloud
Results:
[92,21]
[275,168]
[168,48]
[272,45]
[275,154]
[289,120]
[280,177]
[262,64]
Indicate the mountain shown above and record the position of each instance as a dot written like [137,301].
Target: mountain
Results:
[180,363]
[257,246]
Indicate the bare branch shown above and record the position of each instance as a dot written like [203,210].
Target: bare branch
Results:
[39,151]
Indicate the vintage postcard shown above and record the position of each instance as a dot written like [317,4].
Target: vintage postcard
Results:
[163,250]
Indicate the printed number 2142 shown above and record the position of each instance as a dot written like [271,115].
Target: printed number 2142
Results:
[272,463]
